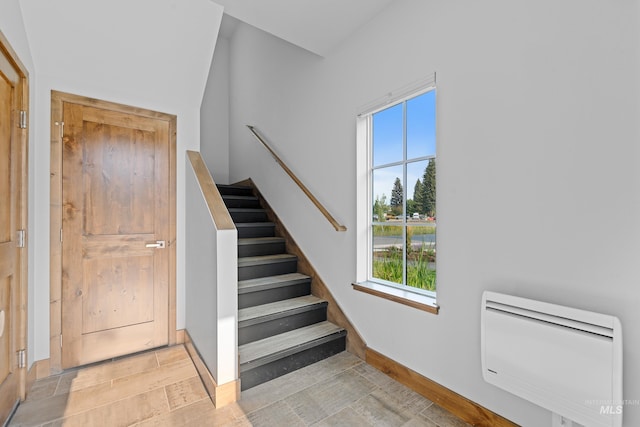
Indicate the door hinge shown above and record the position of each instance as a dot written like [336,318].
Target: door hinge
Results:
[60,340]
[22,359]
[23,120]
[21,238]
[61,235]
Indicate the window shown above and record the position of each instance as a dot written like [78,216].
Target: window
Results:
[401,195]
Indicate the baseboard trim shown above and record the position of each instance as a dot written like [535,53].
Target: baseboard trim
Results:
[38,370]
[180,336]
[32,376]
[458,405]
[221,395]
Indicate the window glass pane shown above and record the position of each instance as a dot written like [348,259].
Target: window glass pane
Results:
[403,225]
[421,255]
[417,192]
[421,125]
[387,186]
[388,136]
[387,252]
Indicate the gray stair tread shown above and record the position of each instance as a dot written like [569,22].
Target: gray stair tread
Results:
[259,240]
[270,282]
[265,259]
[265,350]
[255,224]
[278,308]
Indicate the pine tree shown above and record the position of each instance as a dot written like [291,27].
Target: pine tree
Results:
[418,198]
[396,195]
[429,188]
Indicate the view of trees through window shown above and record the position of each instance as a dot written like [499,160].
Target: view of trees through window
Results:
[403,222]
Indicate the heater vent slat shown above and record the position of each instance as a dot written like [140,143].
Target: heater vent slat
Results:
[574,324]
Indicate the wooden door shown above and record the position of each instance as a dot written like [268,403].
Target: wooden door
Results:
[116,217]
[12,257]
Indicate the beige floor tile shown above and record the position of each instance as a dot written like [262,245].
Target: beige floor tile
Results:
[121,413]
[345,418]
[442,417]
[420,421]
[171,354]
[44,388]
[185,392]
[379,412]
[329,396]
[107,371]
[374,375]
[393,406]
[287,385]
[278,414]
[403,398]
[201,413]
[37,412]
[161,388]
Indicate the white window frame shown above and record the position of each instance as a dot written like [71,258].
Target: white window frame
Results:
[364,152]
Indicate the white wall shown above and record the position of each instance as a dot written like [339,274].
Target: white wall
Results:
[152,54]
[214,115]
[539,188]
[12,26]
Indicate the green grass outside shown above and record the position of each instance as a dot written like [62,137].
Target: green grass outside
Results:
[396,230]
[388,266]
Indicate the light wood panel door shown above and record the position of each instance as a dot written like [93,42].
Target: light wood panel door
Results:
[115,233]
[12,154]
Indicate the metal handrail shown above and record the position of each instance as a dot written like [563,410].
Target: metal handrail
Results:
[295,179]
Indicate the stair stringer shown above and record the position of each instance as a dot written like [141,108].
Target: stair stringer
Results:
[355,343]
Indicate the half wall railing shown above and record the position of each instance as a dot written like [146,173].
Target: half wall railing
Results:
[211,288]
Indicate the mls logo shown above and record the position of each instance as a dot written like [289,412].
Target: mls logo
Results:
[610,410]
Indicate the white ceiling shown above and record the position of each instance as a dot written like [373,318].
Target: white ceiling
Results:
[315,25]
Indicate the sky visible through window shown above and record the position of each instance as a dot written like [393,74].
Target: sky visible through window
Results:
[388,143]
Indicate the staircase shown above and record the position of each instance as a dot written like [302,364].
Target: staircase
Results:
[281,326]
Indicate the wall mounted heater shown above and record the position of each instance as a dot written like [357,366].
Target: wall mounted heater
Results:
[563,359]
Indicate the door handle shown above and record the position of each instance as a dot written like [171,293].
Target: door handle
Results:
[160,244]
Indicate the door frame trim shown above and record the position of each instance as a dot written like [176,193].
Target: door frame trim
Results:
[55,244]
[22,221]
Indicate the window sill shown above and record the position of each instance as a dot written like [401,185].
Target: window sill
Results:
[412,299]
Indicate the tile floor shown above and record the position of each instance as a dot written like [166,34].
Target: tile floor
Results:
[161,388]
